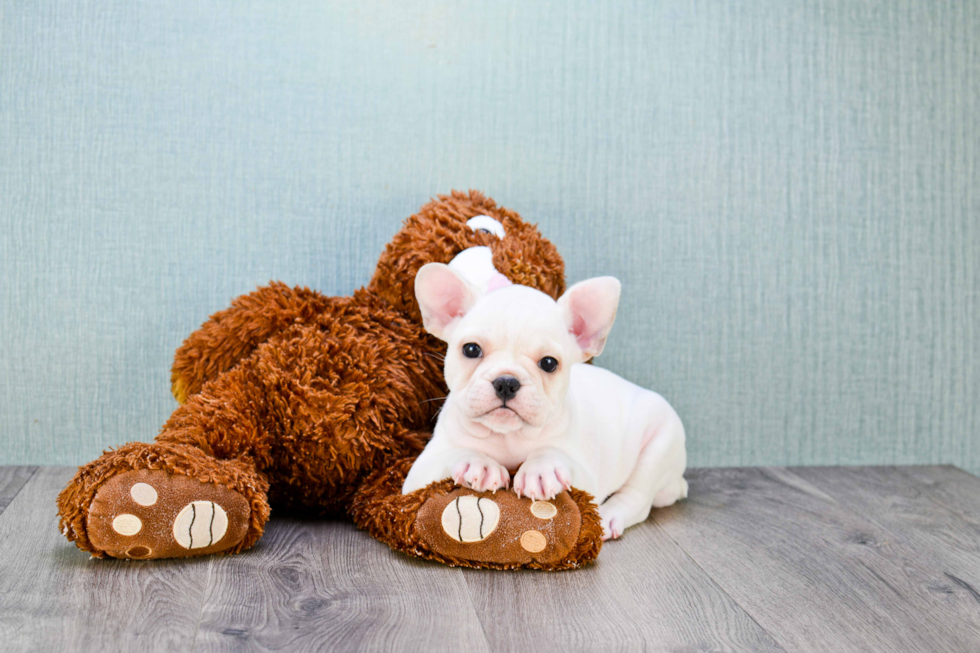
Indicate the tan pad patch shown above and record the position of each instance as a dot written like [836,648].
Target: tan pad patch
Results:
[470,518]
[143,494]
[543,509]
[127,525]
[154,514]
[200,524]
[533,541]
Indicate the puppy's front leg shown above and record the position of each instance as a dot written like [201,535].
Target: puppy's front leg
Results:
[467,467]
[548,471]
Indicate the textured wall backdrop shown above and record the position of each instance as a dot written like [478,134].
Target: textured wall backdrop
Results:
[788,189]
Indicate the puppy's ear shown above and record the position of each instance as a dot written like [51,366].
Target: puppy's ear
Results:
[590,310]
[443,298]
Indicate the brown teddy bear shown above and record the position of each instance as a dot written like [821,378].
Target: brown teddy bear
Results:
[321,404]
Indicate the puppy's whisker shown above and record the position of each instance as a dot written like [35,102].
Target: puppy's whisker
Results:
[437,413]
[435,356]
[425,401]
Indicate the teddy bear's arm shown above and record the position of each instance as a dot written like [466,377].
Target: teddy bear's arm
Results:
[233,333]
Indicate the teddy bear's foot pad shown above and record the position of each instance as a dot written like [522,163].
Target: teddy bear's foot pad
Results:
[499,528]
[146,514]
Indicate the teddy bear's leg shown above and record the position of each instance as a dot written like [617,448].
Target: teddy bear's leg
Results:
[199,488]
[232,334]
[163,500]
[303,408]
[460,527]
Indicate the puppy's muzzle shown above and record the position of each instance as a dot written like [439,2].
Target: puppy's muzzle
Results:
[506,387]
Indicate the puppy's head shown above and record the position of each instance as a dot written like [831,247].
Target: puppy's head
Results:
[511,350]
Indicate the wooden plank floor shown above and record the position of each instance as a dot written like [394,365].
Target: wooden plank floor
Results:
[761,559]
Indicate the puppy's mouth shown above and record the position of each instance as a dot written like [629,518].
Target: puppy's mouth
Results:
[501,411]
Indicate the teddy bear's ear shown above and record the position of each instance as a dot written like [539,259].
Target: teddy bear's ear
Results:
[443,298]
[590,310]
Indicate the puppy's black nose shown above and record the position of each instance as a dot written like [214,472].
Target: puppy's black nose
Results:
[506,387]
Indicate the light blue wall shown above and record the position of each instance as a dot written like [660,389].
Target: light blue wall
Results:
[789,191]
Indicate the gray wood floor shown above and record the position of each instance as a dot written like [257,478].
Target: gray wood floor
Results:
[764,559]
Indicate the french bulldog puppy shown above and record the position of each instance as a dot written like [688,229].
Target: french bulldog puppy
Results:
[521,397]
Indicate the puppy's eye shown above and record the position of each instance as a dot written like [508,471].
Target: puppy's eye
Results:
[472,350]
[548,364]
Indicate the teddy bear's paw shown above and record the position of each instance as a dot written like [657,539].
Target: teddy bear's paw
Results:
[500,529]
[146,514]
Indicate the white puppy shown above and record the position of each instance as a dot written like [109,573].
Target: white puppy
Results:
[520,397]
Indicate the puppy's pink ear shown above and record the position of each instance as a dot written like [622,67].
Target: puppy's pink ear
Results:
[443,297]
[590,310]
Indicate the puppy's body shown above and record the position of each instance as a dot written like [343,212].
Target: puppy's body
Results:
[575,425]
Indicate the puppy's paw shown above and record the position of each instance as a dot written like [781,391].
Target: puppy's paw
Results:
[542,479]
[481,473]
[612,522]
[611,529]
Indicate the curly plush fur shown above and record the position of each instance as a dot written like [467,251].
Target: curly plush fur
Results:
[297,399]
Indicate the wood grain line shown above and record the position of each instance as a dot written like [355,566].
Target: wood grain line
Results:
[12,480]
[814,574]
[644,593]
[314,585]
[942,540]
[954,488]
[55,597]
